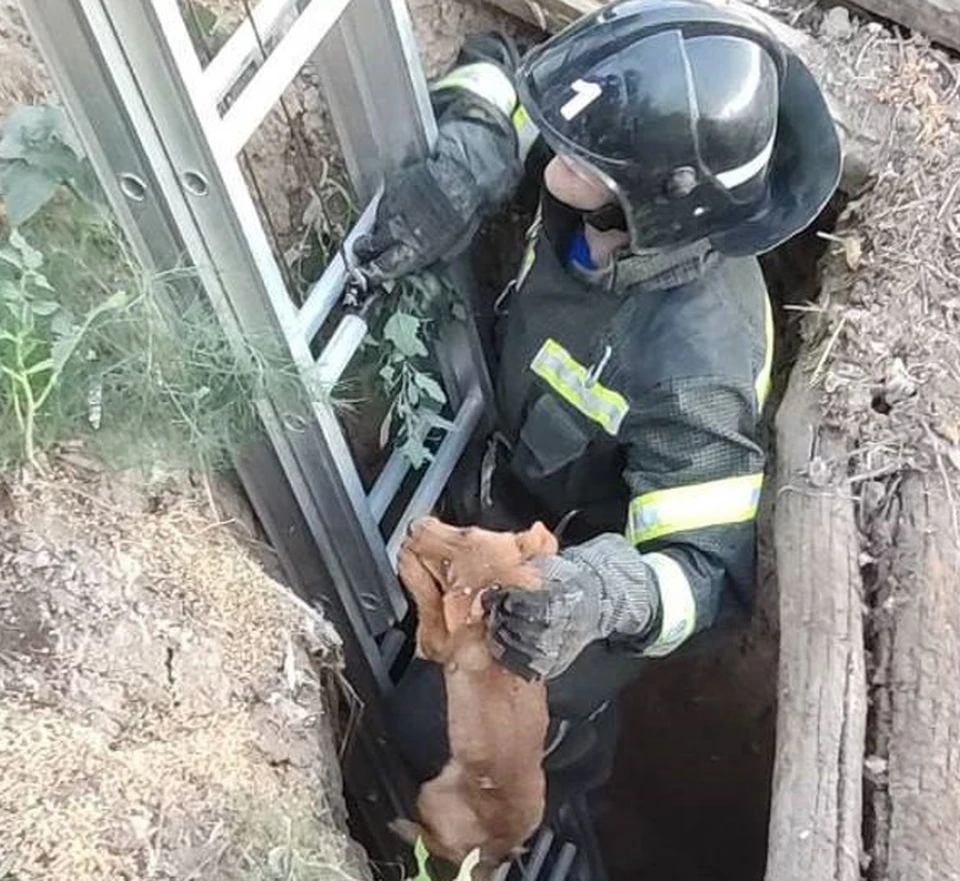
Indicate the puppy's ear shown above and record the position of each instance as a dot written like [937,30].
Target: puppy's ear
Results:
[537,541]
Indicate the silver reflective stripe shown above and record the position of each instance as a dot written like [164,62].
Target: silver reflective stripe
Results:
[735,177]
[764,377]
[572,381]
[695,506]
[678,607]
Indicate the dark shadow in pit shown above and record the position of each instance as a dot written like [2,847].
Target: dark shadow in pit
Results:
[690,794]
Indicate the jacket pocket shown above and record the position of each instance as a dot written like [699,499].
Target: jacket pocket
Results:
[550,441]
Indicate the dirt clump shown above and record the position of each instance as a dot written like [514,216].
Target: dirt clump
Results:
[161,713]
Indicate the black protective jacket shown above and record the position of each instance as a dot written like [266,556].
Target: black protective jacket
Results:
[633,396]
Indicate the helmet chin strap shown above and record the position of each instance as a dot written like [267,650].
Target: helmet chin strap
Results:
[609,217]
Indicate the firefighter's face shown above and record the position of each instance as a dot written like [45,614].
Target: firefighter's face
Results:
[575,184]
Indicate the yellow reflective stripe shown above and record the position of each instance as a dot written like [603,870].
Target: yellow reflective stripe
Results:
[678,608]
[485,79]
[763,378]
[666,511]
[526,131]
[569,379]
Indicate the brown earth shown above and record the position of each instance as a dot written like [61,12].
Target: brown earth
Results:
[161,713]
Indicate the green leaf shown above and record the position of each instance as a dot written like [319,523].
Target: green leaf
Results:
[470,861]
[421,855]
[43,308]
[39,280]
[11,292]
[11,258]
[430,387]
[62,323]
[62,349]
[25,190]
[415,452]
[32,258]
[388,374]
[402,330]
[31,127]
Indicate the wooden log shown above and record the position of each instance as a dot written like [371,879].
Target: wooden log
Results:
[859,136]
[816,805]
[922,685]
[938,19]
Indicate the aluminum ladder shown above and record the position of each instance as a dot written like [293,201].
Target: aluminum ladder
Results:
[152,119]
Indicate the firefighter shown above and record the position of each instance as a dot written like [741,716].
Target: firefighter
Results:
[634,346]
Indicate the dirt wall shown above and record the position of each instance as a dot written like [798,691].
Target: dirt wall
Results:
[161,712]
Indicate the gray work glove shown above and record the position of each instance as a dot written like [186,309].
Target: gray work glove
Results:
[432,209]
[591,591]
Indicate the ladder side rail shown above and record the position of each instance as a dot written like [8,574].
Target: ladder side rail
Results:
[374,85]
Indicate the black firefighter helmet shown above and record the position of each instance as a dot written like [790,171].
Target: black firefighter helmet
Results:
[696,116]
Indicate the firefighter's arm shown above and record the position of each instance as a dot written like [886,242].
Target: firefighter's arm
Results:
[432,208]
[694,474]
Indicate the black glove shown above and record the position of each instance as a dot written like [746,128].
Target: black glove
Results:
[428,211]
[539,633]
[590,592]
[432,209]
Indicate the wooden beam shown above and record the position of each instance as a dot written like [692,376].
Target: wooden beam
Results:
[816,804]
[938,19]
[918,703]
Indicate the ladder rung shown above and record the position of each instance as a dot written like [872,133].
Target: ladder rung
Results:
[243,46]
[564,863]
[444,461]
[541,849]
[389,482]
[271,80]
[324,294]
[342,347]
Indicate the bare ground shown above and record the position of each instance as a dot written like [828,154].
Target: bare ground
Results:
[161,713]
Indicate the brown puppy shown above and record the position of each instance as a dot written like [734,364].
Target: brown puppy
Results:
[490,795]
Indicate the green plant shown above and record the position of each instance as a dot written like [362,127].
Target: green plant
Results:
[94,348]
[37,337]
[416,400]
[39,153]
[421,855]
[139,380]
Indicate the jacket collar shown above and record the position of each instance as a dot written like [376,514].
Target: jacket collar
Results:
[631,273]
[654,271]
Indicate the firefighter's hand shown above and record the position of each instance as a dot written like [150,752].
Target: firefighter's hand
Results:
[427,212]
[540,633]
[431,209]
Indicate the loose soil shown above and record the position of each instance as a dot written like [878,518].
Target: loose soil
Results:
[161,713]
